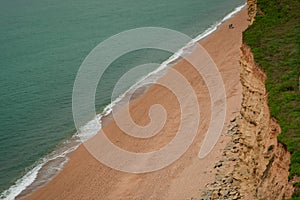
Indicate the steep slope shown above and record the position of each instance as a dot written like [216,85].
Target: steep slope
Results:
[263,164]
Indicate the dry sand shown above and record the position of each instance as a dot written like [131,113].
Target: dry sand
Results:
[84,177]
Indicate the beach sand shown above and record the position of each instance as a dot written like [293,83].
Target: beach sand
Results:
[84,177]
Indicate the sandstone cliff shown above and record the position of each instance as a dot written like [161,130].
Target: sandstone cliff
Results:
[252,9]
[263,163]
[260,163]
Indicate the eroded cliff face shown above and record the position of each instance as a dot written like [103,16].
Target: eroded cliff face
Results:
[260,163]
[252,9]
[263,163]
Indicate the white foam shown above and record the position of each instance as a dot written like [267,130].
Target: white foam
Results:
[21,184]
[90,129]
[93,126]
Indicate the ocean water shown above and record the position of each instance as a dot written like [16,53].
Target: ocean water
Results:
[43,43]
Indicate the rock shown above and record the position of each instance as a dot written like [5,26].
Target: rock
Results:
[235,197]
[236,132]
[229,146]
[236,140]
[229,180]
[226,192]
[218,177]
[218,164]
[215,195]
[237,177]
[232,126]
[235,150]
[232,159]
[209,192]
[233,192]
[205,198]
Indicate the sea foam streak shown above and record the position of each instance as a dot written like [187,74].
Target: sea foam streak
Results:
[92,127]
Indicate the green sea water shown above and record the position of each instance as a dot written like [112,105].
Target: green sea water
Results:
[43,43]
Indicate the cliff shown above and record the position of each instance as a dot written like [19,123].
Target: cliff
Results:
[260,163]
[252,9]
[263,163]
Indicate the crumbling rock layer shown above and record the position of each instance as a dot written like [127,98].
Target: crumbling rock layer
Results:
[252,9]
[260,163]
[263,163]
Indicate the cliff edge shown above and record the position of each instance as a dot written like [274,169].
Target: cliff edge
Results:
[263,163]
[260,162]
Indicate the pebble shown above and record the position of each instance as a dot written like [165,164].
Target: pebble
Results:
[215,195]
[222,187]
[218,164]
[236,140]
[228,180]
[218,177]
[234,150]
[232,159]
[233,192]
[226,192]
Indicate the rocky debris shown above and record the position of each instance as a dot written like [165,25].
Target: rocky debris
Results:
[218,164]
[223,192]
[225,185]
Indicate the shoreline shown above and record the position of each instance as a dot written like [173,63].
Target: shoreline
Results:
[119,182]
[200,37]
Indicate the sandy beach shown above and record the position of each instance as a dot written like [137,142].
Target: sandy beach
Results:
[84,177]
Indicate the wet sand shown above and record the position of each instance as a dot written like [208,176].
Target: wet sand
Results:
[84,177]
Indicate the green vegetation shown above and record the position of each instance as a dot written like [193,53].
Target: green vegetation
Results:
[274,39]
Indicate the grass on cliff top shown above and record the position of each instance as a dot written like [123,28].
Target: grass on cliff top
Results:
[274,39]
